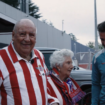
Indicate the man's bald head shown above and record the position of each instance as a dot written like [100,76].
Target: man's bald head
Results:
[23,21]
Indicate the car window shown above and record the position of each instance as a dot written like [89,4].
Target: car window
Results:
[47,62]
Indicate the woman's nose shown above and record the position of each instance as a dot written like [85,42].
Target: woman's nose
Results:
[71,66]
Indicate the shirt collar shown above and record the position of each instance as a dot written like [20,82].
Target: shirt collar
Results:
[15,56]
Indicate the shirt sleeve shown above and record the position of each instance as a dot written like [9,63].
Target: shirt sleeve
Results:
[95,82]
[51,98]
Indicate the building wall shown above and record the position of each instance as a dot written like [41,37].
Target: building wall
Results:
[80,47]
[47,36]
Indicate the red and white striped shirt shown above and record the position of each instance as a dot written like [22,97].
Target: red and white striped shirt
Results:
[55,91]
[23,82]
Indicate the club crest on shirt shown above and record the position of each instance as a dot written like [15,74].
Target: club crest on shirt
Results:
[40,68]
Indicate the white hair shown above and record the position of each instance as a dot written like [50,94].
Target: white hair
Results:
[58,57]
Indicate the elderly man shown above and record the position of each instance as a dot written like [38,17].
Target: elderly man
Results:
[22,69]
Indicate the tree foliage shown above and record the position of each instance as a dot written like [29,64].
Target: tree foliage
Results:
[73,37]
[33,9]
[44,21]
[92,45]
[100,46]
[51,24]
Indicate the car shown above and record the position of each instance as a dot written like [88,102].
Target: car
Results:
[80,75]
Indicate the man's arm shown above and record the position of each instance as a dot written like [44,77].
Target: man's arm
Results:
[95,83]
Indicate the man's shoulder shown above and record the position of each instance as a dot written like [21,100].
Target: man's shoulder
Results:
[99,55]
[3,49]
[38,53]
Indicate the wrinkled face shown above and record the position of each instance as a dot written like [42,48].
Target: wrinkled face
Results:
[102,37]
[24,38]
[65,70]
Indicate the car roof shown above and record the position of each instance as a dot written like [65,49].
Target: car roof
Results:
[46,48]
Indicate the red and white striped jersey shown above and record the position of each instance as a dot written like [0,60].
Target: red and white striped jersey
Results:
[55,91]
[23,82]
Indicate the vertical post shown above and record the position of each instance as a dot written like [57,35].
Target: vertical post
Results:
[70,41]
[95,18]
[27,7]
[89,65]
[19,2]
[62,26]
[75,60]
[75,51]
[23,5]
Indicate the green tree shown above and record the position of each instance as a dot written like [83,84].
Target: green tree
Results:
[33,10]
[51,24]
[90,44]
[73,37]
[100,46]
[44,21]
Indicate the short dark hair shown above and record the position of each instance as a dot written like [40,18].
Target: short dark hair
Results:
[101,27]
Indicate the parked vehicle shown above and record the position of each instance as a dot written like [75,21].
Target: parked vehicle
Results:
[80,75]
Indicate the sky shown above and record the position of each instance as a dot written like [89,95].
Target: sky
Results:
[77,16]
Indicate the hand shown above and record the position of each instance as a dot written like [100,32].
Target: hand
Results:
[55,104]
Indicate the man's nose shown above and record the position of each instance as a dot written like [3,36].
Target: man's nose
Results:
[27,37]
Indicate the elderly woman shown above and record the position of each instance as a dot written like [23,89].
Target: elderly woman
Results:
[60,85]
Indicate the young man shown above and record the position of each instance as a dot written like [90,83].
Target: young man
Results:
[22,69]
[98,71]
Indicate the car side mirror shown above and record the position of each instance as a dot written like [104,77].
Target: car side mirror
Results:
[75,68]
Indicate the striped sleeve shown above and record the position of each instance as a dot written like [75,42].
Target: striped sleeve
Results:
[1,78]
[52,100]
[1,74]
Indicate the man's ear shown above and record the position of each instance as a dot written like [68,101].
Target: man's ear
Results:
[13,34]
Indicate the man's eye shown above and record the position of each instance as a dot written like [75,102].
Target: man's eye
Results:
[32,35]
[22,34]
